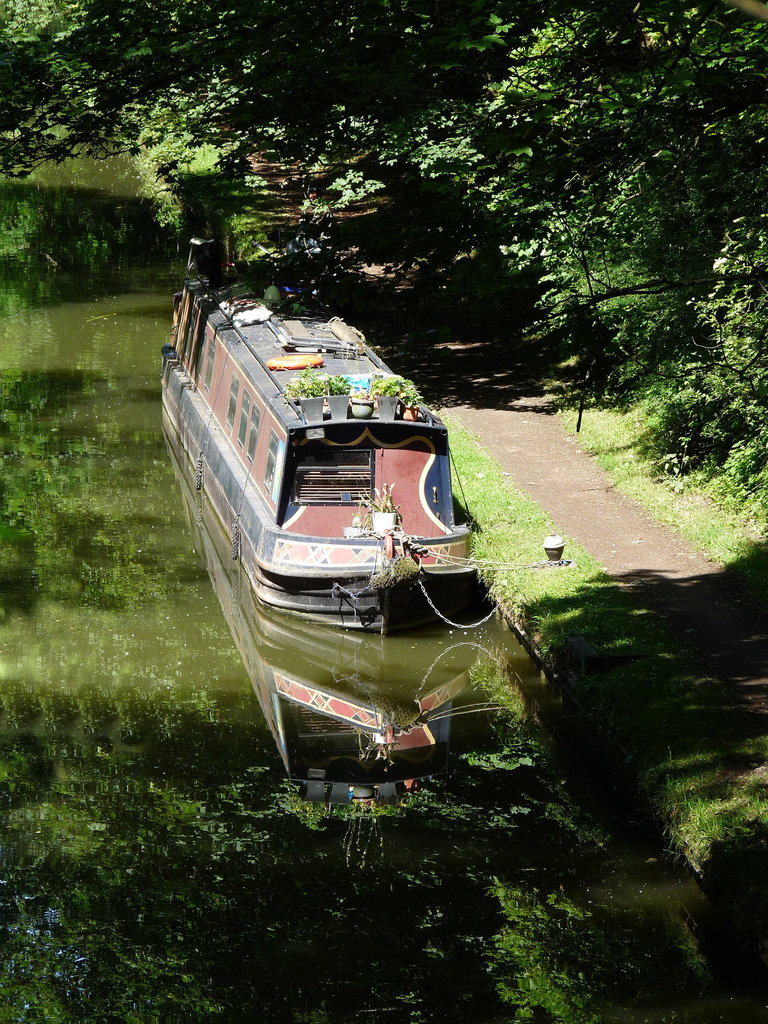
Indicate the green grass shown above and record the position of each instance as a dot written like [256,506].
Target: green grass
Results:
[676,729]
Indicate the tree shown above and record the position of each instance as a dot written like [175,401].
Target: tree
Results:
[597,156]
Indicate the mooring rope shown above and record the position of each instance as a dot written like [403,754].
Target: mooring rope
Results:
[461,488]
[489,563]
[353,595]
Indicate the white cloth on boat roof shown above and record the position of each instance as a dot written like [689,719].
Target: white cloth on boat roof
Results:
[257,315]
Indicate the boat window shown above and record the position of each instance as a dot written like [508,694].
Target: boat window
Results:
[254,434]
[332,478]
[209,364]
[233,400]
[244,410]
[272,453]
[185,330]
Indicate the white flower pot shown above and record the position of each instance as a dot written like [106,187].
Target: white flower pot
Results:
[382,521]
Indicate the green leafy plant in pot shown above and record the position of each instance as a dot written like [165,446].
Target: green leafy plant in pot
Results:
[386,392]
[411,398]
[308,383]
[309,387]
[393,389]
[338,396]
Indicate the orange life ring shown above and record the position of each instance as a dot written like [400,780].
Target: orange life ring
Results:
[295,362]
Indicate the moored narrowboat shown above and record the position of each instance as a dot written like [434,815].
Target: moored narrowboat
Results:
[296,483]
[355,721]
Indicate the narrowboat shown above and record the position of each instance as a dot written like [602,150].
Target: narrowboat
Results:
[354,721]
[295,480]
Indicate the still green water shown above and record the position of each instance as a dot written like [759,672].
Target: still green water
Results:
[156,864]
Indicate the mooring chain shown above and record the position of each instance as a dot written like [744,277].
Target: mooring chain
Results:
[199,508]
[236,580]
[456,625]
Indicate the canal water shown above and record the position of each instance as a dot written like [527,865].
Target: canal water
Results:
[163,856]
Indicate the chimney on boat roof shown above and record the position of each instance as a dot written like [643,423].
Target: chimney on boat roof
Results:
[205,257]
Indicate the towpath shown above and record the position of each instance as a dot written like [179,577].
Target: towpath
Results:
[705,605]
[708,608]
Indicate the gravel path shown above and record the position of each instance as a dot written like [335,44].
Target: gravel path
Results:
[706,606]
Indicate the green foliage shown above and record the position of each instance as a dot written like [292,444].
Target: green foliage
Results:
[401,387]
[533,957]
[400,570]
[307,383]
[29,19]
[52,242]
[337,385]
[60,497]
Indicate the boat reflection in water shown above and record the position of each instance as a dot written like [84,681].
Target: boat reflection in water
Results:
[355,719]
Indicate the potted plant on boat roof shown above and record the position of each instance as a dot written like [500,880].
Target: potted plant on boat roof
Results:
[386,392]
[411,398]
[381,512]
[361,403]
[309,387]
[394,389]
[338,396]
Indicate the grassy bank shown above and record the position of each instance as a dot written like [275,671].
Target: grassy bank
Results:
[677,730]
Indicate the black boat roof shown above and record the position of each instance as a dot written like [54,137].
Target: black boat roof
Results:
[240,316]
